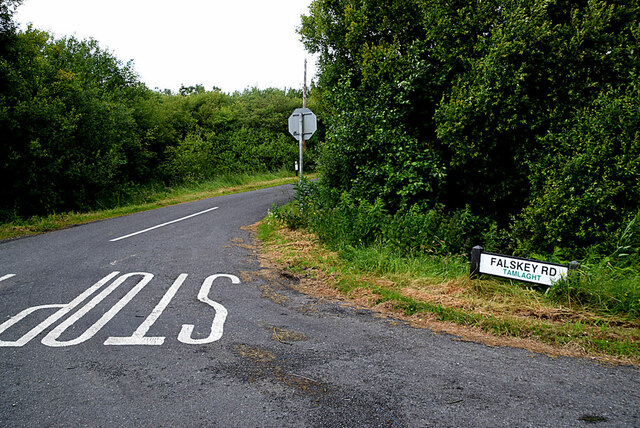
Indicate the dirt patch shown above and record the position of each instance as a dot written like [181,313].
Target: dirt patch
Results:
[268,290]
[363,297]
[283,335]
[266,365]
[269,293]
[257,355]
[252,228]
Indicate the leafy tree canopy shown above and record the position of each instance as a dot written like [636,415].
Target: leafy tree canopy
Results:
[490,106]
[80,131]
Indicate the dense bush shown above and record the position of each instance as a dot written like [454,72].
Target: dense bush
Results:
[591,190]
[511,124]
[342,221]
[65,123]
[78,128]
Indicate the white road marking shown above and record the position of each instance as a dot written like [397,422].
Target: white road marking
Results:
[11,275]
[51,339]
[163,224]
[218,321]
[64,309]
[138,336]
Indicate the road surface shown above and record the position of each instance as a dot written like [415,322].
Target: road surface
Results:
[158,319]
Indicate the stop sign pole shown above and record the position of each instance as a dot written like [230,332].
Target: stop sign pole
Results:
[304,105]
[302,125]
[301,141]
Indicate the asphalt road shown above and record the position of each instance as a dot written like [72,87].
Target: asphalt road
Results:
[169,327]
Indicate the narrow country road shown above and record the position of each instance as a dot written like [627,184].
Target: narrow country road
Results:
[159,319]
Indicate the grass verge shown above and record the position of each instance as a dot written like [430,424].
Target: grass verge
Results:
[436,293]
[148,199]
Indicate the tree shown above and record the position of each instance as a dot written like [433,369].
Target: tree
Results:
[375,74]
[68,126]
[466,104]
[7,9]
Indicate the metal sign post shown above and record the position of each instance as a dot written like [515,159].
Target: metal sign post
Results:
[301,141]
[302,125]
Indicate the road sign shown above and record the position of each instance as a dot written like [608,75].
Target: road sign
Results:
[302,125]
[309,123]
[528,270]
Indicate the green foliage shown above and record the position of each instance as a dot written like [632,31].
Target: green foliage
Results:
[351,222]
[436,231]
[342,221]
[589,190]
[66,123]
[602,288]
[290,215]
[506,123]
[537,64]
[191,160]
[79,129]
[299,214]
[218,133]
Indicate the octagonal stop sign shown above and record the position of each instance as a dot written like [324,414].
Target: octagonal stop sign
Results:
[308,120]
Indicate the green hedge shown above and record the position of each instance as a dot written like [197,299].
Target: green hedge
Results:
[512,124]
[79,128]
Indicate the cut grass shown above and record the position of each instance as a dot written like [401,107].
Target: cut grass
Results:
[437,293]
[147,199]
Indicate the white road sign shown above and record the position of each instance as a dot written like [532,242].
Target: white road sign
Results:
[309,123]
[522,269]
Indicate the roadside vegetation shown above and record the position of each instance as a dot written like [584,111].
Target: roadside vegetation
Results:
[444,124]
[146,199]
[449,124]
[507,124]
[594,315]
[80,132]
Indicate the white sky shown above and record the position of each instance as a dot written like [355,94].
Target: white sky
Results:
[232,44]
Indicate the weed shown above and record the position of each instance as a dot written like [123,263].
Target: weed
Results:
[600,288]
[437,288]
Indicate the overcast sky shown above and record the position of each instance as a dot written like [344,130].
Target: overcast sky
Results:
[229,44]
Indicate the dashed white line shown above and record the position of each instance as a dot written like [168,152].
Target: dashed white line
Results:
[163,224]
[11,275]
